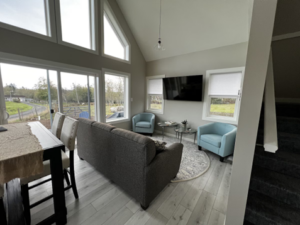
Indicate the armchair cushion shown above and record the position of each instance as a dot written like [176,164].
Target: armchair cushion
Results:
[143,124]
[213,139]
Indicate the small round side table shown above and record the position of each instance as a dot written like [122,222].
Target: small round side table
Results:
[181,131]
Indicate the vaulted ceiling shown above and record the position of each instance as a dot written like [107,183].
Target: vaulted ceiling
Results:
[187,25]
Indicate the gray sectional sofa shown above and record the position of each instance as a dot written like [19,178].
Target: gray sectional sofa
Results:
[128,159]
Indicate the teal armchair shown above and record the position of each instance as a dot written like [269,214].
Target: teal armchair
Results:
[143,123]
[218,138]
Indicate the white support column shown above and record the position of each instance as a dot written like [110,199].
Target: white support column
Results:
[270,122]
[254,83]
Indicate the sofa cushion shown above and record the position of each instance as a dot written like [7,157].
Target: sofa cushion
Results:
[213,139]
[143,124]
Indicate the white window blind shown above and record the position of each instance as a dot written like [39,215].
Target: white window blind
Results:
[225,84]
[155,87]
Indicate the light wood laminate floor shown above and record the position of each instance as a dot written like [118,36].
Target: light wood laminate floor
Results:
[199,201]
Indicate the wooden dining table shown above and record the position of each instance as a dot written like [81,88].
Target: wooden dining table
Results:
[52,148]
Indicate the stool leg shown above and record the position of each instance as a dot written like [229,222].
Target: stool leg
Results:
[26,203]
[2,213]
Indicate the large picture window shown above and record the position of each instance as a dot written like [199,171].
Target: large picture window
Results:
[115,43]
[116,96]
[155,100]
[31,17]
[223,95]
[76,20]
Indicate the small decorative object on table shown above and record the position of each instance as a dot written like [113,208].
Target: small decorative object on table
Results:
[184,123]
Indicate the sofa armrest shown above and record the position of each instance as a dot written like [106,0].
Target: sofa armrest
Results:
[227,143]
[161,171]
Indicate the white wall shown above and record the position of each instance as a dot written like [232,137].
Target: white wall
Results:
[195,64]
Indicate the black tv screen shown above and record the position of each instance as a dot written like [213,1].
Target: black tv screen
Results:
[188,88]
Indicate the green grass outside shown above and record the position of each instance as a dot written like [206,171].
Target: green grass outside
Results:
[222,108]
[12,107]
[155,106]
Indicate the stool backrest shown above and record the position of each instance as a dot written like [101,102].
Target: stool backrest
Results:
[57,124]
[69,133]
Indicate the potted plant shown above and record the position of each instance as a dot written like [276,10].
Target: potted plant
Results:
[184,123]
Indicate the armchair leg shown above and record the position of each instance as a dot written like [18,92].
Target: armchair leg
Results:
[144,207]
[222,159]
[199,148]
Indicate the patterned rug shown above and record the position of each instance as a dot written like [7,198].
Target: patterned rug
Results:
[194,163]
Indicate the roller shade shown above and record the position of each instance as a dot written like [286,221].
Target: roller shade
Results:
[225,84]
[155,87]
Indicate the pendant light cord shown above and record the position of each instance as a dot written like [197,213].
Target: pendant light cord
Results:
[160,20]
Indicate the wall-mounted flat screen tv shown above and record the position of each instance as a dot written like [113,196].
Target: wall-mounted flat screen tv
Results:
[187,88]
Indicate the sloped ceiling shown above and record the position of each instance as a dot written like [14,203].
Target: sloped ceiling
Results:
[187,25]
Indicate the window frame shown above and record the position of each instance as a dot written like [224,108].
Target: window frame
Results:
[50,24]
[112,19]
[127,102]
[93,28]
[207,98]
[59,67]
[148,102]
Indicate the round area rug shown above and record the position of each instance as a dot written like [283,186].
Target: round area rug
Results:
[194,163]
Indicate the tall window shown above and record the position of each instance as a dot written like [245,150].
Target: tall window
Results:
[30,16]
[77,22]
[223,95]
[155,101]
[116,97]
[115,42]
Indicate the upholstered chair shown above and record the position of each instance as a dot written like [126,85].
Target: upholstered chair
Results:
[143,123]
[57,124]
[68,137]
[218,138]
[2,210]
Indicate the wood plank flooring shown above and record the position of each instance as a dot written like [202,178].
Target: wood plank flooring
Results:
[199,201]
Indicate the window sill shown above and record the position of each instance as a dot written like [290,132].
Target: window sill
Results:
[115,58]
[78,47]
[115,121]
[221,120]
[155,111]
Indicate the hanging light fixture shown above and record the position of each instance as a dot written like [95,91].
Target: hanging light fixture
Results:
[159,46]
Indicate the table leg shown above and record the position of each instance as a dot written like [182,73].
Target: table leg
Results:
[181,138]
[163,132]
[195,138]
[58,187]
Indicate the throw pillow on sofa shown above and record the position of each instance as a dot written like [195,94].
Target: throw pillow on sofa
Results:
[160,146]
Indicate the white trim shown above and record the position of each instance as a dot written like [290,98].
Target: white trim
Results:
[106,9]
[147,97]
[286,36]
[46,64]
[270,121]
[93,31]
[127,91]
[207,98]
[50,25]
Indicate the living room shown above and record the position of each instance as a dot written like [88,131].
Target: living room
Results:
[106,73]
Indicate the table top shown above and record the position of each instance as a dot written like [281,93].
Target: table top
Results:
[186,131]
[163,124]
[46,138]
